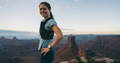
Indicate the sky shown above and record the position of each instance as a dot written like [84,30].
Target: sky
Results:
[72,16]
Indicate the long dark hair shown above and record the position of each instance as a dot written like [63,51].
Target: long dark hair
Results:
[49,7]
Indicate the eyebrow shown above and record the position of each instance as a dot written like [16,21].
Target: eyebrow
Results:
[42,8]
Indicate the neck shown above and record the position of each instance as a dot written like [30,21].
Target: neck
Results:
[47,17]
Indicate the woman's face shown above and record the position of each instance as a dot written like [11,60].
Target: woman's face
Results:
[44,11]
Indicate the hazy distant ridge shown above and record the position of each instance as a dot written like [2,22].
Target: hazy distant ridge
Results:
[19,34]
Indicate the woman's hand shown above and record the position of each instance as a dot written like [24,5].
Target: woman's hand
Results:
[44,51]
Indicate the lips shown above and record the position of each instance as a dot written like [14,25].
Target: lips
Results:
[43,14]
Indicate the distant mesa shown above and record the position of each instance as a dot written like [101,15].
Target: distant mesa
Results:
[70,52]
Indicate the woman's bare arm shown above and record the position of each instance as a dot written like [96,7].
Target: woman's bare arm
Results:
[58,37]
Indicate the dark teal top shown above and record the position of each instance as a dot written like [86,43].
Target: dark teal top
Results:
[43,43]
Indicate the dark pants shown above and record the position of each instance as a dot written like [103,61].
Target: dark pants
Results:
[48,58]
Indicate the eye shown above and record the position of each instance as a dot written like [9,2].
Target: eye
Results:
[42,8]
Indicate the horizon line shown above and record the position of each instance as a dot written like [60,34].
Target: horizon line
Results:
[79,32]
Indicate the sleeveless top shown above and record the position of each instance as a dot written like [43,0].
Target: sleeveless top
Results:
[46,33]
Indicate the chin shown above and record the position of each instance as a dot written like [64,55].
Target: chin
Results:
[43,16]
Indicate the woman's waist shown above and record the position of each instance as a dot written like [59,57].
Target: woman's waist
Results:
[46,43]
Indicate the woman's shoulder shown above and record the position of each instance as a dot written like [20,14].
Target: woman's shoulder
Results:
[50,24]
[52,21]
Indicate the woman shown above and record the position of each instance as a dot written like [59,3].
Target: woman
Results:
[48,27]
